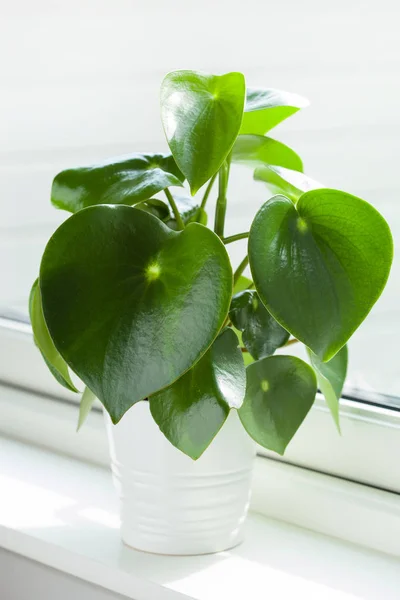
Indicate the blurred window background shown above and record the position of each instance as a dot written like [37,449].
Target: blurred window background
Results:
[80,83]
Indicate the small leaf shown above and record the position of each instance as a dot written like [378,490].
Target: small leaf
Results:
[262,335]
[157,208]
[279,393]
[85,406]
[291,184]
[321,265]
[123,180]
[193,409]
[266,108]
[243,283]
[187,206]
[188,209]
[257,150]
[54,361]
[130,304]
[331,377]
[201,115]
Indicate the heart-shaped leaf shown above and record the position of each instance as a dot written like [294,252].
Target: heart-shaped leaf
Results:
[56,364]
[321,265]
[193,409]
[130,304]
[291,184]
[331,377]
[266,108]
[257,150]
[201,115]
[280,391]
[85,406]
[123,180]
[261,334]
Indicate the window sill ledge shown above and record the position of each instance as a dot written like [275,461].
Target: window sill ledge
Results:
[70,523]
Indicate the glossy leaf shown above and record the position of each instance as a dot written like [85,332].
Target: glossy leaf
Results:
[261,334]
[266,108]
[257,150]
[130,304]
[193,409]
[320,266]
[280,391]
[123,180]
[85,406]
[331,377]
[201,115]
[56,364]
[291,184]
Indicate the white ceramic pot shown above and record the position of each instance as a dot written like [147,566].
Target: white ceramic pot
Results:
[171,504]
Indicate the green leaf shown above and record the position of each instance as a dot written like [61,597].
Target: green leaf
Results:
[321,265]
[261,334]
[266,108]
[280,391]
[331,377]
[291,184]
[85,406]
[157,208]
[130,304]
[193,409]
[124,180]
[201,115]
[242,284]
[187,207]
[56,364]
[257,150]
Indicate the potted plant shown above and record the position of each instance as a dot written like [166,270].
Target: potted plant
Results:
[137,296]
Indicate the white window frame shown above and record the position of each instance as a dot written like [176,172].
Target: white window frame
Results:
[35,408]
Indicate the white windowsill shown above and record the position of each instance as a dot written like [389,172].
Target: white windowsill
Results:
[63,513]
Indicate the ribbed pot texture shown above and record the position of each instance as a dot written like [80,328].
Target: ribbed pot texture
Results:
[171,504]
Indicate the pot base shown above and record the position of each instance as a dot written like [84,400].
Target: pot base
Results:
[171,504]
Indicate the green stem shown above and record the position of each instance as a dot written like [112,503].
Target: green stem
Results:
[237,236]
[240,269]
[175,210]
[220,209]
[208,190]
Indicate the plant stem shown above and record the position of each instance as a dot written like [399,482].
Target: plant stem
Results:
[240,269]
[208,190]
[237,236]
[175,210]
[220,209]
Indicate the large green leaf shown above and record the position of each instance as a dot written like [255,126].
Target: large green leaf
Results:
[130,304]
[280,391]
[257,150]
[201,115]
[123,180]
[321,265]
[56,364]
[85,406]
[266,108]
[193,409]
[331,377]
[261,334]
[285,181]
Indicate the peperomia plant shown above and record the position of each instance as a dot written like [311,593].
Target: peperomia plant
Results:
[138,297]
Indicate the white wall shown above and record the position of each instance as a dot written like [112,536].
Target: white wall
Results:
[79,81]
